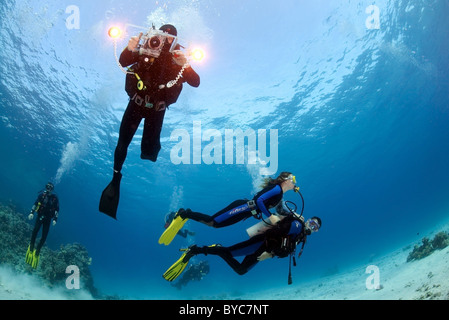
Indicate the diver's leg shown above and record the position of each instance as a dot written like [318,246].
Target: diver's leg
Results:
[197,216]
[252,248]
[247,264]
[111,194]
[128,127]
[233,213]
[45,229]
[36,228]
[228,254]
[151,144]
[222,252]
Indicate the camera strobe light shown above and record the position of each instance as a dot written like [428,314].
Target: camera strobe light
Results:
[114,32]
[197,54]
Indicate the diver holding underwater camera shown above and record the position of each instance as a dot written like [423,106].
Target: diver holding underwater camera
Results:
[156,70]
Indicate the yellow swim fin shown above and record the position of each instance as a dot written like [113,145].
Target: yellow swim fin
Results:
[174,227]
[178,267]
[35,259]
[29,256]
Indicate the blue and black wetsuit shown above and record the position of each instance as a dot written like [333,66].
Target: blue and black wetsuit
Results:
[48,208]
[238,210]
[148,100]
[272,241]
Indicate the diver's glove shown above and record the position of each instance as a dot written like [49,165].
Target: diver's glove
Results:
[179,58]
[54,223]
[31,215]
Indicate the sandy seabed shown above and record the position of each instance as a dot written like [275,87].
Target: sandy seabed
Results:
[392,275]
[391,278]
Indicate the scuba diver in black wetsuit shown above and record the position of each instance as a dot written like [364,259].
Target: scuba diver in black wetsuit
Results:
[269,197]
[195,272]
[153,83]
[47,208]
[280,241]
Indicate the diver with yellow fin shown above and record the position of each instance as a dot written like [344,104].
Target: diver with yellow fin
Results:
[279,241]
[47,208]
[269,197]
[156,71]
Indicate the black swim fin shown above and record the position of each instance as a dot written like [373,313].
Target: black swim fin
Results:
[110,196]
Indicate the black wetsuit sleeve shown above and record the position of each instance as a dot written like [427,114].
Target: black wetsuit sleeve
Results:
[128,58]
[191,77]
[39,199]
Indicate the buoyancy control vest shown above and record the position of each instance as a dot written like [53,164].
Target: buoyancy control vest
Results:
[149,77]
[279,242]
[282,245]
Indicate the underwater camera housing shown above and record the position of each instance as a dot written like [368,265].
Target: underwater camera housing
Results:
[153,42]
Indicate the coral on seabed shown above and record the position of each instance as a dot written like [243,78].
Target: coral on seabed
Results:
[15,233]
[440,241]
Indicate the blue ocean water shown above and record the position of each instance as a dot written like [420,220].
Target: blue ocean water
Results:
[361,112]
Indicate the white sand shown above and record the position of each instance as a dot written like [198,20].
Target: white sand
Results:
[426,279]
[18,286]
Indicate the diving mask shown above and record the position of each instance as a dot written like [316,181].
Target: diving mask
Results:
[49,187]
[292,178]
[313,225]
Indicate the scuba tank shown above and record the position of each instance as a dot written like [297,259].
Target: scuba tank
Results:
[264,225]
[261,227]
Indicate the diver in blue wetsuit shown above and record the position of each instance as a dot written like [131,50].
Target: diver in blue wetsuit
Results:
[269,197]
[280,241]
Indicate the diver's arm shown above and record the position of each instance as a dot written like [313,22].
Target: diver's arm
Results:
[36,204]
[56,211]
[128,57]
[33,210]
[36,207]
[265,196]
[191,77]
